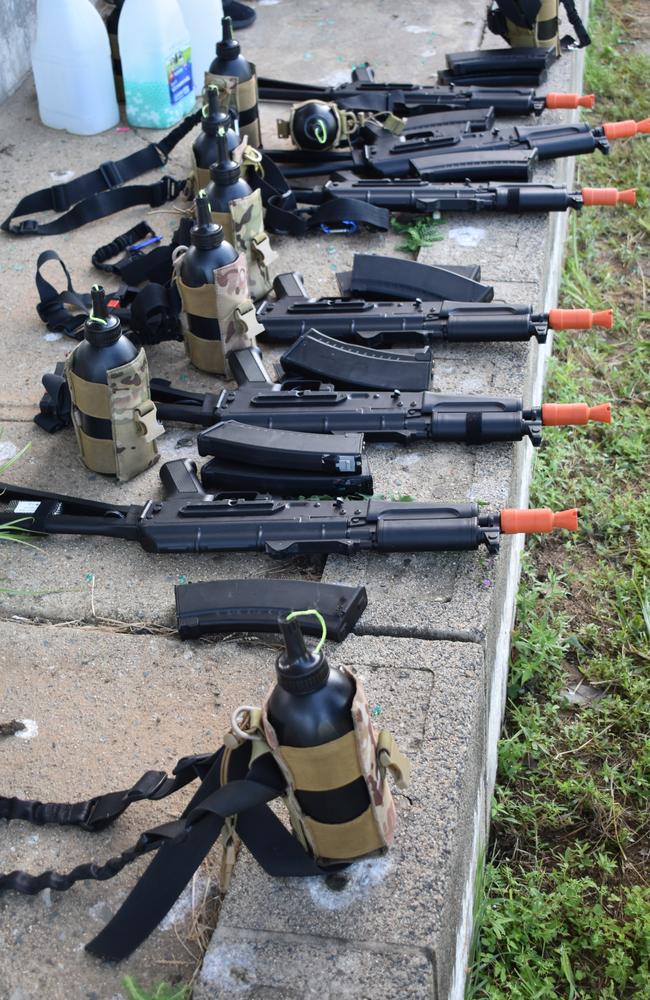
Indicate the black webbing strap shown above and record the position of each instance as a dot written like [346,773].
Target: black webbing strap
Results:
[150,315]
[52,305]
[55,407]
[584,38]
[283,214]
[103,255]
[100,192]
[245,794]
[94,815]
[182,844]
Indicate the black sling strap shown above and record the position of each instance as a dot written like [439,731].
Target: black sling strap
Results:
[181,845]
[150,315]
[100,192]
[283,215]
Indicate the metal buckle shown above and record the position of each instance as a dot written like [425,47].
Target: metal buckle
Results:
[111,174]
[349,227]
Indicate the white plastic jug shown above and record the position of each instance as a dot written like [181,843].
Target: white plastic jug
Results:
[156,59]
[71,59]
[203,19]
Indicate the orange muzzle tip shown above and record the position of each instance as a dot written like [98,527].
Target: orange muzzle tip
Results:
[608,196]
[626,129]
[580,319]
[568,414]
[556,101]
[537,520]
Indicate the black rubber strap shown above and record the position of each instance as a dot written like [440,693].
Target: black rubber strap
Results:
[100,192]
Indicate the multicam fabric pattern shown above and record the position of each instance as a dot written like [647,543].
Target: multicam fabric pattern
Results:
[126,401]
[235,311]
[134,418]
[381,798]
[248,234]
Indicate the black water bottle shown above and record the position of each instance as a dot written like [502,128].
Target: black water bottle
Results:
[311,705]
[103,348]
[205,146]
[226,182]
[230,62]
[209,251]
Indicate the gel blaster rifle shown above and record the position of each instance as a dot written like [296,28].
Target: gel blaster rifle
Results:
[292,313]
[415,195]
[190,520]
[382,415]
[363,94]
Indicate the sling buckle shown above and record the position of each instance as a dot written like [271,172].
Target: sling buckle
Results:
[111,174]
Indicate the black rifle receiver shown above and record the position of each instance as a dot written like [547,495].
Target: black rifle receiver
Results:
[405,99]
[190,520]
[375,323]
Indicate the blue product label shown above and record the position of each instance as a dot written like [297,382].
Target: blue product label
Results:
[179,75]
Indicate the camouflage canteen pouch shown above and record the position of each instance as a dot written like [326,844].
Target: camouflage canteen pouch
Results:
[126,402]
[243,226]
[540,32]
[243,98]
[228,302]
[360,753]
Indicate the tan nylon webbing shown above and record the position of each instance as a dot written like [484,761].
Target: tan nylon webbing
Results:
[207,355]
[91,398]
[323,768]
[201,301]
[98,454]
[345,840]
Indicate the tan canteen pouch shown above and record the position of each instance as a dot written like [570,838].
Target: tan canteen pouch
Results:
[228,302]
[126,402]
[243,226]
[360,753]
[240,96]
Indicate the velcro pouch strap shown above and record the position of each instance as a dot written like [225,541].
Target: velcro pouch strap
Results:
[249,237]
[345,841]
[381,799]
[325,767]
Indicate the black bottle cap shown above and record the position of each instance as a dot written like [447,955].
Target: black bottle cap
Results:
[215,118]
[101,329]
[298,670]
[228,47]
[205,234]
[224,171]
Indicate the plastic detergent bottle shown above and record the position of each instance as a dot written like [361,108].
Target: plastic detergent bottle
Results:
[311,705]
[71,60]
[203,19]
[156,59]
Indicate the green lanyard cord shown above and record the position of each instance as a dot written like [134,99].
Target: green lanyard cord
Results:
[318,615]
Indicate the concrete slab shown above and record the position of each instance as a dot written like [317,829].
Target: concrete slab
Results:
[277,936]
[66,576]
[101,709]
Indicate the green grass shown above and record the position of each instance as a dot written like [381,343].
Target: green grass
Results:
[162,991]
[13,531]
[565,910]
